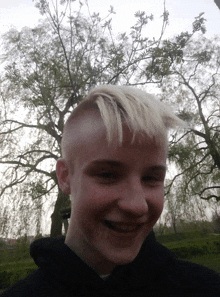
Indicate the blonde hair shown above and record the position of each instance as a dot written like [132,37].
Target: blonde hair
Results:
[141,112]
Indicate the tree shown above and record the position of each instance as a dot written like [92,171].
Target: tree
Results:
[47,72]
[180,209]
[189,69]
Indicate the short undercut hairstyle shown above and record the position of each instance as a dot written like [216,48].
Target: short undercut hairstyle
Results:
[141,112]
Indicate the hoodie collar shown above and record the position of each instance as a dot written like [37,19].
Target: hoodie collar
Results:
[64,266]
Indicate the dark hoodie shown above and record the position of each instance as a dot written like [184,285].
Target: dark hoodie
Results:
[154,272]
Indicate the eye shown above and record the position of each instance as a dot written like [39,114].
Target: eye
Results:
[107,177]
[105,173]
[153,179]
[150,177]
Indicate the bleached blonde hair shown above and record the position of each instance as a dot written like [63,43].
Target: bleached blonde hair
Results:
[141,112]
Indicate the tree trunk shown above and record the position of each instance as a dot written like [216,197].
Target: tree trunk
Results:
[62,202]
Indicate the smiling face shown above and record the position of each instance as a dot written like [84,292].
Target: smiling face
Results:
[117,195]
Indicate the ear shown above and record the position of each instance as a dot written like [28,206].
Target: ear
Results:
[62,172]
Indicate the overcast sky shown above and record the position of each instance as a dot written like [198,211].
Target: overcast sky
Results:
[20,13]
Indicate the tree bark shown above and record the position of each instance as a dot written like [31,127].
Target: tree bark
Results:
[56,225]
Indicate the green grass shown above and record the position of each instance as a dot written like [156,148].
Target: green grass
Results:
[12,272]
[195,246]
[185,236]
[210,261]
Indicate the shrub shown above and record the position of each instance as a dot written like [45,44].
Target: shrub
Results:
[10,273]
[191,247]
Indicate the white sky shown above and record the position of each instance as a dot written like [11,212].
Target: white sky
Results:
[20,13]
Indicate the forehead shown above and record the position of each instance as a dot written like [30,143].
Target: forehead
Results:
[87,143]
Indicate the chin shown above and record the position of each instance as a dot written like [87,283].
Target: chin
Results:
[123,256]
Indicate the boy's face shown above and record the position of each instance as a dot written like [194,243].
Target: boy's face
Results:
[117,196]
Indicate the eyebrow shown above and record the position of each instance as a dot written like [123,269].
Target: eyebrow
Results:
[114,163]
[107,162]
[160,167]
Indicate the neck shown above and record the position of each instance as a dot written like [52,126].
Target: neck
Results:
[93,259]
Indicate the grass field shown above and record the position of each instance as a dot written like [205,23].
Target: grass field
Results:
[193,240]
[210,261]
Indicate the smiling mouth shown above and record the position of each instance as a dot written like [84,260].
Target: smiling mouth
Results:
[122,227]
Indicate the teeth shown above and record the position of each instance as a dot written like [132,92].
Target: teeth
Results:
[121,227]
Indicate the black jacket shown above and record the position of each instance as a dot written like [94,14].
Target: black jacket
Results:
[155,272]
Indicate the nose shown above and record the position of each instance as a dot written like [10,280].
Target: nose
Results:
[133,200]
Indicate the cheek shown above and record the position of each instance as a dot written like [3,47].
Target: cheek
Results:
[156,204]
[97,193]
[91,199]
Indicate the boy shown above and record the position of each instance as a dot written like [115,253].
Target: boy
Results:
[113,165]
